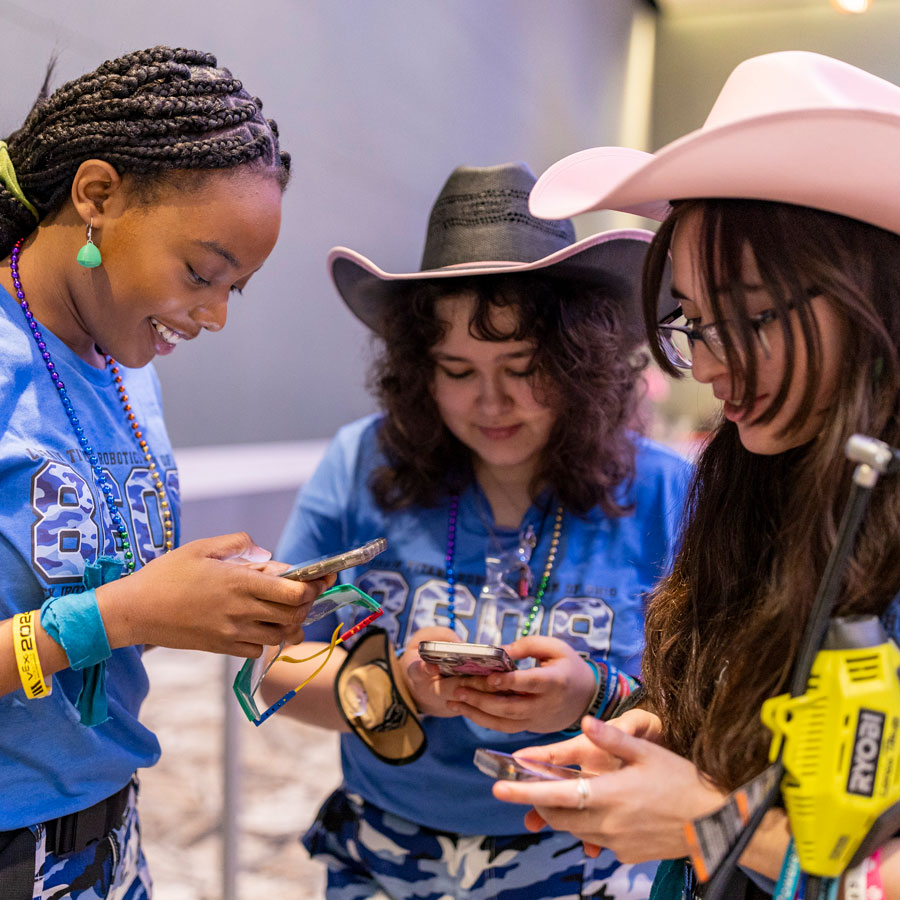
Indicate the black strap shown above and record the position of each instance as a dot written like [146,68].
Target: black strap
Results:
[73,832]
[67,834]
[17,864]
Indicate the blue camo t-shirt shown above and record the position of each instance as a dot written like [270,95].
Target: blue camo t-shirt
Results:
[594,601]
[54,522]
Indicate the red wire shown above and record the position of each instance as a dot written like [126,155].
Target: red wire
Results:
[360,625]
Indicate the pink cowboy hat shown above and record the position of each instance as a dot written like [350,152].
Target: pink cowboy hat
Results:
[793,127]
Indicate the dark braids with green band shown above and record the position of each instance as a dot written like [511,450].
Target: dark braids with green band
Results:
[147,113]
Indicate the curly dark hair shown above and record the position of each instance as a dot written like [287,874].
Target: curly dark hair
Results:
[148,113]
[723,629]
[584,358]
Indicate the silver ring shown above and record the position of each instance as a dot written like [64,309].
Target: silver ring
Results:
[584,792]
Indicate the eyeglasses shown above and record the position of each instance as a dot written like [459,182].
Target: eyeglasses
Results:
[677,340]
[249,679]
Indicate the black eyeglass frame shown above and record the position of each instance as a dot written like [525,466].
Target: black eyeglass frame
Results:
[709,334]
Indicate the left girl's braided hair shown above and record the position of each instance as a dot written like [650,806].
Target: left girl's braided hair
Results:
[147,113]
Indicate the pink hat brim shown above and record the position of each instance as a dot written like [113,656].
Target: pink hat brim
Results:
[839,160]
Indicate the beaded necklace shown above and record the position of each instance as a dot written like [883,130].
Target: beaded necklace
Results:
[99,475]
[451,572]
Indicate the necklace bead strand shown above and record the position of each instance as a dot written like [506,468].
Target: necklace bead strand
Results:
[548,568]
[148,456]
[448,558]
[97,472]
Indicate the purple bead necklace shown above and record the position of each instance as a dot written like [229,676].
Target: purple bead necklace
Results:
[451,572]
[448,559]
[99,475]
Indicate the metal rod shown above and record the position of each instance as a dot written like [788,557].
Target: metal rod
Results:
[231,781]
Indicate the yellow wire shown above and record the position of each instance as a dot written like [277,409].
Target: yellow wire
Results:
[329,649]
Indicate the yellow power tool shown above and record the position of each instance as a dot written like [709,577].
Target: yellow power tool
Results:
[840,749]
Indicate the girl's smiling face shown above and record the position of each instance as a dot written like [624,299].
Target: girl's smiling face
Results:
[170,265]
[485,392]
[774,367]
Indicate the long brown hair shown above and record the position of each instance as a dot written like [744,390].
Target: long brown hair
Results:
[723,629]
[583,357]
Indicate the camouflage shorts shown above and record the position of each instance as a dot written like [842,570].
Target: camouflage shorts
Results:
[374,855]
[112,868]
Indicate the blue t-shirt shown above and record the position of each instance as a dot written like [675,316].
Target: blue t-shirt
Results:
[594,601]
[54,522]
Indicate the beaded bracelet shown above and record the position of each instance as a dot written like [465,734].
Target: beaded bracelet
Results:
[27,660]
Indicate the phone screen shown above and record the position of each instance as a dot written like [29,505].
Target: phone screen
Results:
[505,766]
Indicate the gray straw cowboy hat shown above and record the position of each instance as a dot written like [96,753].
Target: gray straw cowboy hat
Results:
[480,225]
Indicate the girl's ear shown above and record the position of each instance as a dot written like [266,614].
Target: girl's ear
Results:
[96,184]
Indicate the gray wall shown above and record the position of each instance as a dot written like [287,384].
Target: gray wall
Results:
[696,52]
[377,100]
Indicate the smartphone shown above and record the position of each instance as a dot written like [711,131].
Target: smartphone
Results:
[456,658]
[332,600]
[502,765]
[325,565]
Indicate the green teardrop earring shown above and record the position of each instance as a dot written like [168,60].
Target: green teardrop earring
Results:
[89,254]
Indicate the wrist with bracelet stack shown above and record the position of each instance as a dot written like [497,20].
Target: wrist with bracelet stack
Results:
[611,688]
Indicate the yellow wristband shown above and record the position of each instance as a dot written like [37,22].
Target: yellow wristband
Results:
[27,657]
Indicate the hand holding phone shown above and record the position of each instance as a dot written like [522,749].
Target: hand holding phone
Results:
[507,767]
[458,658]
